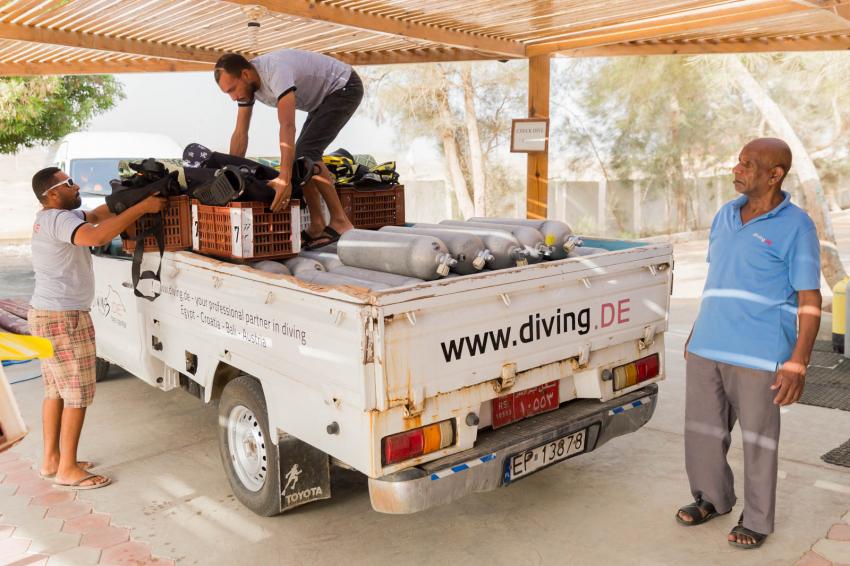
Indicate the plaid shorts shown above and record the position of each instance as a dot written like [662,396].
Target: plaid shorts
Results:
[70,374]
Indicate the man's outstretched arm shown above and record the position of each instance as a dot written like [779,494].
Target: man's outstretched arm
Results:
[239,139]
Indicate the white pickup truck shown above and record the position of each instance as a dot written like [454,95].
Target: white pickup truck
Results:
[433,390]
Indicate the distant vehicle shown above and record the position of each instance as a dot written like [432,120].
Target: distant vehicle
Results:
[91,158]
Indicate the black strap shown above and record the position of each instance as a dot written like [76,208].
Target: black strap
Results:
[156,230]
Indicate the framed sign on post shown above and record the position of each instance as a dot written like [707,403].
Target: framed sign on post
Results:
[529,135]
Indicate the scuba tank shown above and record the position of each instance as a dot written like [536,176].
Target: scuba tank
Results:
[335,279]
[270,266]
[423,257]
[503,246]
[390,279]
[300,265]
[467,249]
[528,237]
[555,233]
[329,260]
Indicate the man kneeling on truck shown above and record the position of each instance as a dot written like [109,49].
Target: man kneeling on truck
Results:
[63,295]
[328,90]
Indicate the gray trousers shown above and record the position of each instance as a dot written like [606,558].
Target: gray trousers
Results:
[718,395]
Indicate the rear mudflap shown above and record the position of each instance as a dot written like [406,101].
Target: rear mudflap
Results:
[305,474]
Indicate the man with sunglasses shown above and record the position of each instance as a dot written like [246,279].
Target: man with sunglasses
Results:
[64,291]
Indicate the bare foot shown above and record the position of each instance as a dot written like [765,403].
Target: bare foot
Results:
[76,474]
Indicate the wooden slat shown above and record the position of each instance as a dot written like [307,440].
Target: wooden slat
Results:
[361,20]
[837,43]
[99,68]
[101,43]
[661,26]
[412,56]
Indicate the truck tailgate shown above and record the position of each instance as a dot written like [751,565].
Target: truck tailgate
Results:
[565,309]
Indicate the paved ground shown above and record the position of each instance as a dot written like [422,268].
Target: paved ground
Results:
[612,506]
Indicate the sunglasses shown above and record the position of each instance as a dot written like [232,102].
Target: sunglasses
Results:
[69,182]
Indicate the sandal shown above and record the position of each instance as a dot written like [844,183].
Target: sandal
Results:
[700,511]
[741,530]
[77,485]
[83,465]
[309,242]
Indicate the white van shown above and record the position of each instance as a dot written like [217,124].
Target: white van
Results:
[91,158]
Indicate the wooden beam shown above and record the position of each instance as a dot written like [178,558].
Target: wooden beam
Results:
[837,43]
[321,11]
[99,68]
[659,27]
[80,40]
[838,9]
[537,178]
[408,56]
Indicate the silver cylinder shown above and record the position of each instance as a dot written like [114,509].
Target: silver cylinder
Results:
[423,257]
[467,249]
[299,265]
[329,260]
[557,234]
[335,279]
[390,279]
[505,250]
[270,266]
[530,238]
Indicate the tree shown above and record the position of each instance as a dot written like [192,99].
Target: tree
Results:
[649,118]
[40,110]
[465,110]
[805,169]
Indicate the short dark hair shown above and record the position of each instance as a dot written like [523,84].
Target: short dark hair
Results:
[232,64]
[42,181]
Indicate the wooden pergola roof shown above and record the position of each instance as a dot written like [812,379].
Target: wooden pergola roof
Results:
[110,36]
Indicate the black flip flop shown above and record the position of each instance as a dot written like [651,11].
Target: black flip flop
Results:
[332,233]
[700,511]
[309,243]
[740,529]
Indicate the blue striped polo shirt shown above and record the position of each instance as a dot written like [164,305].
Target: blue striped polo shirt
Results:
[748,313]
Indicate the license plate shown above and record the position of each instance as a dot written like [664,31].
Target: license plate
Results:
[533,459]
[523,404]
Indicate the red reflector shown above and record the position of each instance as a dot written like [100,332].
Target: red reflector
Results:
[648,367]
[404,446]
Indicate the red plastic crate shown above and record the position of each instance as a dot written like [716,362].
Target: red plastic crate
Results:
[176,223]
[243,231]
[374,208]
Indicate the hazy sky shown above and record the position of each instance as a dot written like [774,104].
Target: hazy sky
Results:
[189,107]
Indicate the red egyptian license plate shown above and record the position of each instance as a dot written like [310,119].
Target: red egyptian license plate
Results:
[523,404]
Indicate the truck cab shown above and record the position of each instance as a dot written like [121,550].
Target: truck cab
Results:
[91,158]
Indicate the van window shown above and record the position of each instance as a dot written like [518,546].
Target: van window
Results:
[93,175]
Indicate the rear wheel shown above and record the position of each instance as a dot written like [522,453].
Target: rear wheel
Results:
[247,452]
[101,369]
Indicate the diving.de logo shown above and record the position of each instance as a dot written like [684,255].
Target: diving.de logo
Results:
[762,239]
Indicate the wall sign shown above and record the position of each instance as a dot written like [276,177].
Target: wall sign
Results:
[529,135]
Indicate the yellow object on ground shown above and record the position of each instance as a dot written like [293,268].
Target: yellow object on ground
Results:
[16,347]
[839,306]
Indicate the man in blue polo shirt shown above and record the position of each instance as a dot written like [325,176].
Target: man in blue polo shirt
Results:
[746,356]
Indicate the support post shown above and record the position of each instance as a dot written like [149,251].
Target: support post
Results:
[537,184]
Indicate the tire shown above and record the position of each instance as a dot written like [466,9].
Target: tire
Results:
[101,369]
[251,464]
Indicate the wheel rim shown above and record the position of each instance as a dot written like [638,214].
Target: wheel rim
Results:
[247,447]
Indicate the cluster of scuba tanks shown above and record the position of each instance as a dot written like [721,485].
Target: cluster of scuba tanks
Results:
[397,256]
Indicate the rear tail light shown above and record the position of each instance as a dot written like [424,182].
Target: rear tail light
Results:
[636,372]
[416,442]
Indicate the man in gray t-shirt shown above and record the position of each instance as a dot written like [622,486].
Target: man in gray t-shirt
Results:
[64,289]
[288,80]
